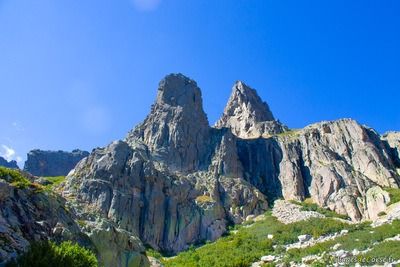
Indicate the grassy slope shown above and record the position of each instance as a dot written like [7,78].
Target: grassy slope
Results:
[248,242]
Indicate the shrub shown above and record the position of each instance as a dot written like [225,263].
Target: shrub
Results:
[14,177]
[204,199]
[49,254]
[394,194]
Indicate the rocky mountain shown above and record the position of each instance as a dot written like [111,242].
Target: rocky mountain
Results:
[8,164]
[175,181]
[247,115]
[52,163]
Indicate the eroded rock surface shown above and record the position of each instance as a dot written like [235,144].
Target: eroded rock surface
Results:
[247,115]
[175,181]
[52,163]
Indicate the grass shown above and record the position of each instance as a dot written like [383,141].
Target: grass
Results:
[307,205]
[384,251]
[204,199]
[14,177]
[54,181]
[394,194]
[360,237]
[250,242]
[290,133]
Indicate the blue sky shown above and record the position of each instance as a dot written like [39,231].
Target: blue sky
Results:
[79,74]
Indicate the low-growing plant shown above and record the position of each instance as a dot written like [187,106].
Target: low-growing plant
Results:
[49,254]
[394,194]
[14,177]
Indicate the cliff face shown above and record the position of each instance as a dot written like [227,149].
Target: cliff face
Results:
[52,163]
[174,180]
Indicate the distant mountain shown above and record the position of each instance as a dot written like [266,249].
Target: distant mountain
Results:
[9,164]
[52,163]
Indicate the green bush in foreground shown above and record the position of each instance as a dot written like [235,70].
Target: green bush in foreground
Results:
[49,254]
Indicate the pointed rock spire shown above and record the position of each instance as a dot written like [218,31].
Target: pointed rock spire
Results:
[177,127]
[247,115]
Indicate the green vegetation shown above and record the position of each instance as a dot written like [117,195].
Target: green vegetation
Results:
[49,254]
[14,177]
[382,213]
[307,205]
[289,133]
[388,249]
[394,194]
[249,242]
[360,237]
[54,181]
[204,199]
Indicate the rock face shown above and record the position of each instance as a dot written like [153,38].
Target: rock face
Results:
[175,181]
[32,214]
[177,126]
[8,164]
[52,163]
[247,115]
[393,141]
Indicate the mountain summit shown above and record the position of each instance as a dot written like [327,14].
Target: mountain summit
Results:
[247,115]
[175,181]
[177,127]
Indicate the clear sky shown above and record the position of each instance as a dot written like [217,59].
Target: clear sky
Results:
[79,74]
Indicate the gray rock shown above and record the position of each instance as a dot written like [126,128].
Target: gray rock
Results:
[392,140]
[247,115]
[175,181]
[269,258]
[8,164]
[304,238]
[52,163]
[376,202]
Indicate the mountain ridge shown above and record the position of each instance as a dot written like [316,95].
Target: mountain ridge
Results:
[175,181]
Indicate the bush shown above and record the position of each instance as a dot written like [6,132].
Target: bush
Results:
[49,254]
[14,177]
[394,194]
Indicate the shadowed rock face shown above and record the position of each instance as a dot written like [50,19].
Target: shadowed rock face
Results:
[175,180]
[52,163]
[8,164]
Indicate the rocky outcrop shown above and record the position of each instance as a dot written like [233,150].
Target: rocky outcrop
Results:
[30,213]
[176,131]
[247,115]
[8,164]
[180,180]
[52,163]
[392,140]
[175,181]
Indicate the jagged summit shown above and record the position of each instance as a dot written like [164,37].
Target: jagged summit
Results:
[177,125]
[179,90]
[247,115]
[245,100]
